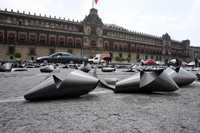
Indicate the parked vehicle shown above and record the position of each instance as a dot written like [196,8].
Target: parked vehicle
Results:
[96,60]
[100,58]
[108,68]
[61,57]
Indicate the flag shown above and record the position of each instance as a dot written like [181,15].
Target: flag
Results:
[96,1]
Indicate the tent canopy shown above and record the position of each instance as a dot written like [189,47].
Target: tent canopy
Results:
[149,62]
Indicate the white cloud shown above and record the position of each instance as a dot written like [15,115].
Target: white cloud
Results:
[192,23]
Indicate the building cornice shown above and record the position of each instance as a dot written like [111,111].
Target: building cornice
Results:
[39,17]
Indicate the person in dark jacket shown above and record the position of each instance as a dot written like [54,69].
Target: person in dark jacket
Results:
[178,62]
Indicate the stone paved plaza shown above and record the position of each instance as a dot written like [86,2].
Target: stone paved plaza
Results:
[100,111]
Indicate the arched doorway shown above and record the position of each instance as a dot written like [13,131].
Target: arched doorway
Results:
[93,43]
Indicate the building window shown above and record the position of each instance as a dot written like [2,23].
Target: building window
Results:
[42,40]
[52,40]
[22,37]
[70,43]
[116,48]
[110,47]
[133,49]
[62,41]
[20,22]
[1,36]
[65,27]
[85,40]
[138,50]
[11,49]
[32,38]
[93,43]
[78,44]
[106,46]
[142,50]
[11,37]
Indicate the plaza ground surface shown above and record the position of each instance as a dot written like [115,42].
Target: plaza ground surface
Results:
[100,111]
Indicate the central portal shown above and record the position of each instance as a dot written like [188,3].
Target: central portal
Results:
[93,44]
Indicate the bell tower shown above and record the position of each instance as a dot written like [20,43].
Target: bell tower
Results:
[93,30]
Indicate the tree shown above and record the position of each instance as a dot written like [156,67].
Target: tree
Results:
[17,55]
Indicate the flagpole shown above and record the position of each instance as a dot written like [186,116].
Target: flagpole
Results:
[92,3]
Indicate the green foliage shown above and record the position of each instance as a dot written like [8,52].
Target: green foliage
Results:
[120,55]
[128,58]
[17,55]
[118,58]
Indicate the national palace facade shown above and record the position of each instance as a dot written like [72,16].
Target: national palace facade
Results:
[32,35]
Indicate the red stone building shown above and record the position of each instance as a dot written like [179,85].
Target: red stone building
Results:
[32,36]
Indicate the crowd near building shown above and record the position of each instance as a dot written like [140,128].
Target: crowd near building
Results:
[29,35]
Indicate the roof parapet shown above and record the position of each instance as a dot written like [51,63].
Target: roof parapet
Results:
[39,15]
[119,28]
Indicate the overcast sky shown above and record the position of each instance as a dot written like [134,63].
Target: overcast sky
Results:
[179,18]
